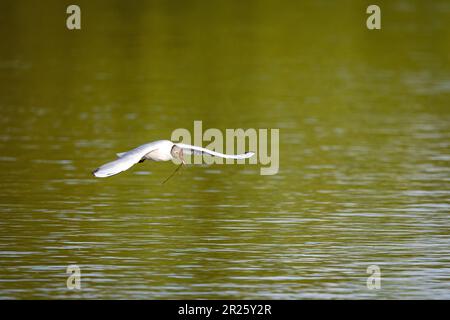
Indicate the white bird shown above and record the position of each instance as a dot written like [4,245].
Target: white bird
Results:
[161,150]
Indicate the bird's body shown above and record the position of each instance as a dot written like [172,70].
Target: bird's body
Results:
[161,150]
[157,151]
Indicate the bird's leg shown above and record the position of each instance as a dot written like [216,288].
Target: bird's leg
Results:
[180,157]
[178,168]
[173,173]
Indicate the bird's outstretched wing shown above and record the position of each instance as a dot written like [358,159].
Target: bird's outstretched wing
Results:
[126,160]
[116,166]
[188,149]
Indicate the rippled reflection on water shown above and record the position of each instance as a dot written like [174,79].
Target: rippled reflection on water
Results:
[364,160]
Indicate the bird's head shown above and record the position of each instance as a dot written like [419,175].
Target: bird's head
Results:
[177,153]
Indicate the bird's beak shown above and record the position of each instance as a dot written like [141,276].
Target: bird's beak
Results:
[181,157]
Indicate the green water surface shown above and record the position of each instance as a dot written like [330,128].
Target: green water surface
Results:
[364,177]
